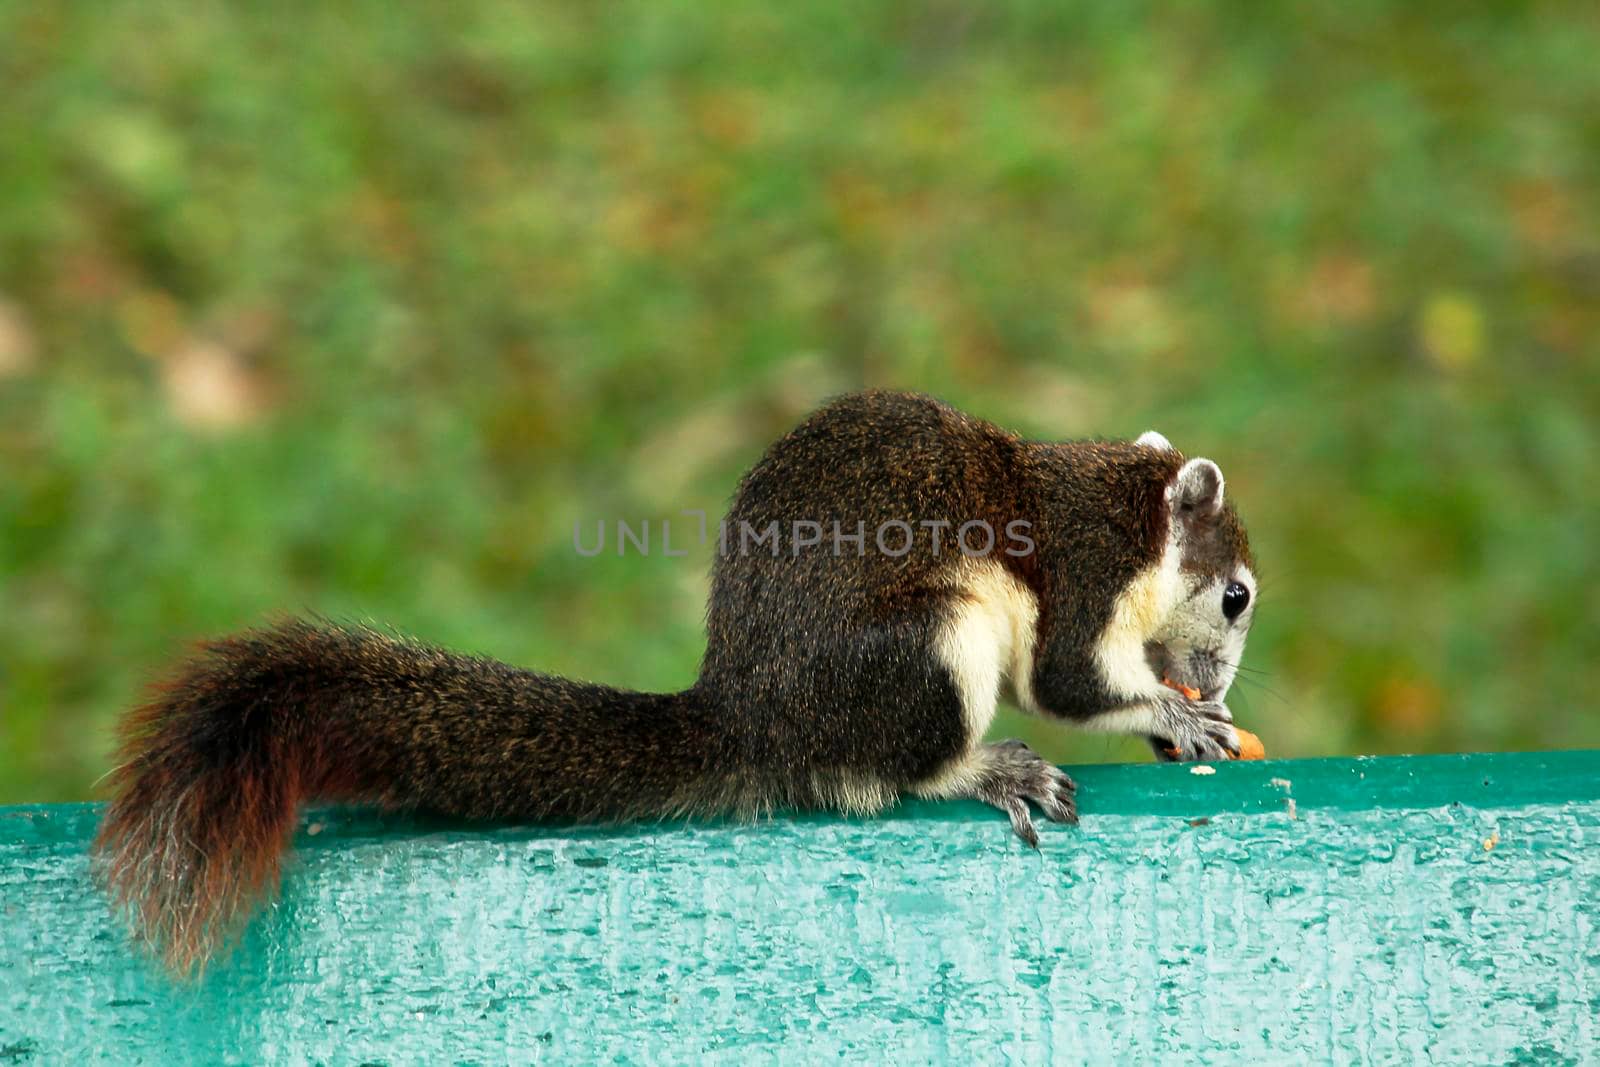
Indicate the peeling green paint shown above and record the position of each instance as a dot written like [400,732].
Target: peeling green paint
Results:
[1443,907]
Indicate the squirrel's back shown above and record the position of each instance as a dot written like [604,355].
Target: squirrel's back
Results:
[828,594]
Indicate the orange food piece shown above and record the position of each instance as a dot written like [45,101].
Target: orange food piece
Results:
[1250,746]
[1188,691]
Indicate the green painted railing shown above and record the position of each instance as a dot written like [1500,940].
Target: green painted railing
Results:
[1398,910]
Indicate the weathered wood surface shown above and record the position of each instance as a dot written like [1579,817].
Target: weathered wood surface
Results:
[1441,908]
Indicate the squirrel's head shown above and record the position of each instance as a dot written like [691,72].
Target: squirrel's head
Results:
[1200,641]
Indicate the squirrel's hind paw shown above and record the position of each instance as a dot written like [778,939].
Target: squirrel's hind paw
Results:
[1008,775]
[1013,775]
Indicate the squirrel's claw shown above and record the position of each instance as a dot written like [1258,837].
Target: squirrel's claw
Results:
[1022,822]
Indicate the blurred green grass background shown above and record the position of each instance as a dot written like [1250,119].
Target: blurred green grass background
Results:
[357,308]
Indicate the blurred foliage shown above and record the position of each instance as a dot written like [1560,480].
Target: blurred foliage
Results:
[356,308]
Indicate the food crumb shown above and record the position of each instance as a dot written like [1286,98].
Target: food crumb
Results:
[314,829]
[1288,801]
[1188,691]
[1491,841]
[1201,821]
[1202,768]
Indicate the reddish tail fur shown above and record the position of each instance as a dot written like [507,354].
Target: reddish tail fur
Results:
[206,796]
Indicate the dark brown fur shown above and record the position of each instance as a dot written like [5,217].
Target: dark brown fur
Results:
[216,766]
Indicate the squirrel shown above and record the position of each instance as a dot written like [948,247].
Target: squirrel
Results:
[839,673]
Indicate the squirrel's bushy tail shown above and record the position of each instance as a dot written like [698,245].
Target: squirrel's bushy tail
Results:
[214,769]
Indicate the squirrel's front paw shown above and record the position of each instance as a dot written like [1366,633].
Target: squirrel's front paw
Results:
[1195,731]
[1013,774]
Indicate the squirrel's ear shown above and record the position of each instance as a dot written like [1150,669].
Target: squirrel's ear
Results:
[1197,491]
[1151,439]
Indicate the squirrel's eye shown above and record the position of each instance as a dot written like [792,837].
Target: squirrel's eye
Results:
[1235,598]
